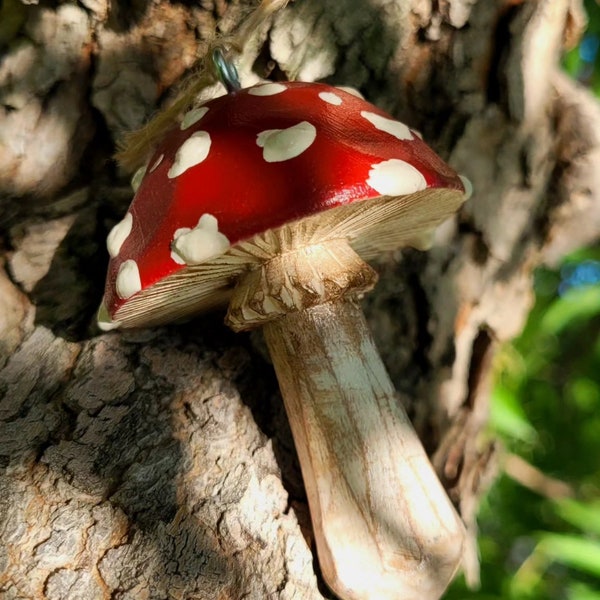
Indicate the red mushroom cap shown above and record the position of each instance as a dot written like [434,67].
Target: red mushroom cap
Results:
[270,156]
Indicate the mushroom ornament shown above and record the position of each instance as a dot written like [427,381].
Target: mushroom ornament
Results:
[271,199]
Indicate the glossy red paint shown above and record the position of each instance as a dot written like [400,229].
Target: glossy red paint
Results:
[249,195]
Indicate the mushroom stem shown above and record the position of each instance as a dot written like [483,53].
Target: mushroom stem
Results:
[384,527]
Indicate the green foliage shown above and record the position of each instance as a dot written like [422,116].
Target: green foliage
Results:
[508,416]
[546,409]
[582,62]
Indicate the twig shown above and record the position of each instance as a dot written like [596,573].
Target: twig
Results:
[531,477]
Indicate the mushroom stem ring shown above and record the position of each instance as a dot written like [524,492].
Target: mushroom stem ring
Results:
[270,199]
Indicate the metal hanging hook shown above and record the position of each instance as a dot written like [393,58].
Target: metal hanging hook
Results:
[226,71]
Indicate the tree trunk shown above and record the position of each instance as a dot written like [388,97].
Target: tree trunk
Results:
[158,463]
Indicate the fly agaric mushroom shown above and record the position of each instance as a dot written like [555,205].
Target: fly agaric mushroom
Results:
[271,198]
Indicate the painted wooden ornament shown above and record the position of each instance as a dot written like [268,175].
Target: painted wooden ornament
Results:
[259,159]
[270,199]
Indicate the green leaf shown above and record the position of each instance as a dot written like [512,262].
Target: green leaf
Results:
[508,417]
[573,551]
[572,62]
[584,516]
[575,305]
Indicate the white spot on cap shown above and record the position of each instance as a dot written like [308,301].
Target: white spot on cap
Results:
[350,90]
[191,153]
[136,180]
[118,234]
[105,323]
[282,144]
[468,187]
[396,177]
[195,246]
[395,128]
[128,280]
[267,89]
[331,98]
[156,163]
[193,116]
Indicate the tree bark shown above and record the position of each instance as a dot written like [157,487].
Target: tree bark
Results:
[158,463]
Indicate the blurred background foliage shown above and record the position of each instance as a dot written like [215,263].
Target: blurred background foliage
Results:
[540,522]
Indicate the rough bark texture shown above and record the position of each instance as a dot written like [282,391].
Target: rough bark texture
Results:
[158,463]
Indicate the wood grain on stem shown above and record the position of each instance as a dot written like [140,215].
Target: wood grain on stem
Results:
[383,523]
[384,527]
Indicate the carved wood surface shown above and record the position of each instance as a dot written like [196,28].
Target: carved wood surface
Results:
[158,463]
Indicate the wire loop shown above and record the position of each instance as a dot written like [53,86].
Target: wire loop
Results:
[226,71]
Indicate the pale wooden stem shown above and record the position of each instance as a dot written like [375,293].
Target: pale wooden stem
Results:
[384,527]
